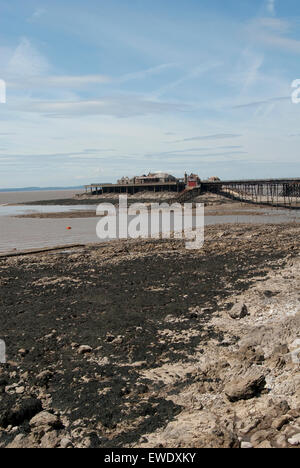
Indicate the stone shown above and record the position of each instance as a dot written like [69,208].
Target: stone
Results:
[50,440]
[239,311]
[84,349]
[22,442]
[246,445]
[66,443]
[258,437]
[264,445]
[295,440]
[280,441]
[44,377]
[20,390]
[23,411]
[278,423]
[246,386]
[44,419]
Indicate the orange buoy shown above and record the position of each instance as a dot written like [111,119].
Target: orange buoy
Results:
[69,228]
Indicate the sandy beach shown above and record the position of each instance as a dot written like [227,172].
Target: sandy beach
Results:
[139,344]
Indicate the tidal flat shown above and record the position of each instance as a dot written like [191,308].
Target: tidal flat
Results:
[143,343]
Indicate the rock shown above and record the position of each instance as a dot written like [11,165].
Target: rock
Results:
[109,338]
[44,419]
[238,311]
[264,445]
[23,411]
[278,423]
[250,427]
[84,349]
[251,354]
[22,442]
[44,377]
[295,440]
[246,445]
[284,407]
[258,437]
[20,390]
[3,382]
[280,441]
[246,386]
[118,340]
[23,352]
[50,440]
[66,443]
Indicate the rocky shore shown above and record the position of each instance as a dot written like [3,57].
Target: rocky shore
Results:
[147,344]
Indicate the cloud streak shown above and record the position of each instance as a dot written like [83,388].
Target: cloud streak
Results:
[217,136]
[123,106]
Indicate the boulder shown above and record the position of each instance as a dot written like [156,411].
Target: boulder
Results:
[44,419]
[245,387]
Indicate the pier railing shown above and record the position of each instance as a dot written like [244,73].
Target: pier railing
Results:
[274,192]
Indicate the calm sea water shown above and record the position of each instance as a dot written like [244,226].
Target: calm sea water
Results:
[24,197]
[21,234]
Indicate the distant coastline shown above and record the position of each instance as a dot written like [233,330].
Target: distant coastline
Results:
[40,189]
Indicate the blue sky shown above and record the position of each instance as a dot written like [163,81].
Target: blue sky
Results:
[99,89]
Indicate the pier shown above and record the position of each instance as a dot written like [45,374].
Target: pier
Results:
[283,193]
[133,188]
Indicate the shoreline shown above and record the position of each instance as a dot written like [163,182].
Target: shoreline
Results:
[228,211]
[145,324]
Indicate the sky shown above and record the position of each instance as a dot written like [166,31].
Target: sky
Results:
[100,89]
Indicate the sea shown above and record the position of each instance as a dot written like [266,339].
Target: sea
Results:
[19,234]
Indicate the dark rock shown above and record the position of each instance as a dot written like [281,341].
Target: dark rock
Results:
[246,386]
[23,411]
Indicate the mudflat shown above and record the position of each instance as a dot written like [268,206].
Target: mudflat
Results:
[144,343]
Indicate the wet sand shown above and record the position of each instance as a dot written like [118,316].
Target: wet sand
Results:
[63,215]
[130,343]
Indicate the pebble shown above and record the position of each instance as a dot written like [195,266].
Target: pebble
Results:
[246,445]
[84,349]
[295,440]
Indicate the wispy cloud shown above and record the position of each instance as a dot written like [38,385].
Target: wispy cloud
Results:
[38,13]
[26,61]
[121,106]
[145,73]
[218,136]
[261,103]
[190,151]
[191,75]
[58,81]
[273,32]
[232,155]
